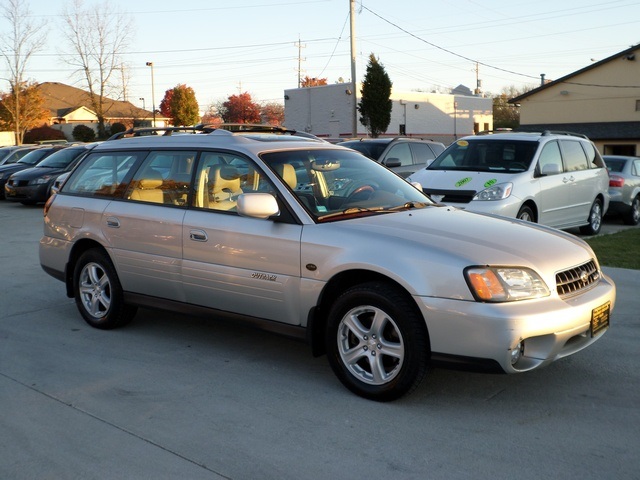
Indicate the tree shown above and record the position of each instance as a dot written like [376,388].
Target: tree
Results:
[32,111]
[165,103]
[312,82]
[23,40]
[240,109]
[272,113]
[180,105]
[375,98]
[97,37]
[506,115]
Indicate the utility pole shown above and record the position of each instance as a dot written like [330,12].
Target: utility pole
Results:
[300,47]
[354,83]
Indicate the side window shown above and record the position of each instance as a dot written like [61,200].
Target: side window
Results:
[635,170]
[422,152]
[550,160]
[221,178]
[574,156]
[402,152]
[164,177]
[103,174]
[594,160]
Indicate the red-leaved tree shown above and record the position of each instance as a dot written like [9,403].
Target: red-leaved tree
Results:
[240,109]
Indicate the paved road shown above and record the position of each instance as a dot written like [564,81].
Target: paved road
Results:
[171,397]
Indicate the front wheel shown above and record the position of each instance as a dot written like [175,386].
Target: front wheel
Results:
[526,214]
[98,292]
[376,341]
[595,219]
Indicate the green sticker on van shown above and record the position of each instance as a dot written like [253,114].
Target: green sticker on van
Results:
[490,182]
[462,182]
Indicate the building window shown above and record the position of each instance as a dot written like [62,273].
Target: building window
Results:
[637,105]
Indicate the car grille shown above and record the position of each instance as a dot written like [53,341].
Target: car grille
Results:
[451,196]
[577,279]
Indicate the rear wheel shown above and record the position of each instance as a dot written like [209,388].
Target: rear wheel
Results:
[632,217]
[376,342]
[595,219]
[98,292]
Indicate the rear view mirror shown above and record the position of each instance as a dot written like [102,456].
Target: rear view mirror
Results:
[257,205]
[325,165]
[392,162]
[551,169]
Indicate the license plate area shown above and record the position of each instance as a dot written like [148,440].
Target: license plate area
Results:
[600,318]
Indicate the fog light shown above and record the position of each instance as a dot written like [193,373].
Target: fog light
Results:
[517,352]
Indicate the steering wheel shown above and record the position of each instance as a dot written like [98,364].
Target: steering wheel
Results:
[365,190]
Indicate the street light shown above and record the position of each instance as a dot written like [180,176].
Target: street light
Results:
[143,107]
[153,94]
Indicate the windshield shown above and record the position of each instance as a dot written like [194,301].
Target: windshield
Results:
[32,158]
[508,156]
[336,184]
[61,158]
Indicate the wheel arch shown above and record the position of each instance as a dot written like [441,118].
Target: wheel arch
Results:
[318,316]
[534,209]
[76,252]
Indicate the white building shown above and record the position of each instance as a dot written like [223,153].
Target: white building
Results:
[326,111]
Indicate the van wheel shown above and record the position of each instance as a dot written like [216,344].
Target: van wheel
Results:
[526,214]
[595,219]
[98,292]
[376,341]
[632,217]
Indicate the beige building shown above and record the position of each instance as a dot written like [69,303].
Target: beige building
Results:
[601,101]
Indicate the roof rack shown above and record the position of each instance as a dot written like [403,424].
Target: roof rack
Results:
[561,132]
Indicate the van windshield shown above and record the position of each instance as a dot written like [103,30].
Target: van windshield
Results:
[508,156]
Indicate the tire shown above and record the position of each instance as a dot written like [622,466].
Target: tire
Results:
[526,214]
[595,219]
[377,343]
[632,217]
[98,292]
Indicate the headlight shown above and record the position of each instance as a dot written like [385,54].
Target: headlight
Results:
[504,284]
[41,180]
[495,192]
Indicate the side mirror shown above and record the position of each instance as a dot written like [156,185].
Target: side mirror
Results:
[257,205]
[392,162]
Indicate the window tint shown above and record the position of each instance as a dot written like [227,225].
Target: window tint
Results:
[550,155]
[574,156]
[402,152]
[103,174]
[164,177]
[422,152]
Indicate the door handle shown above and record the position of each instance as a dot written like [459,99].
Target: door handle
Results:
[113,222]
[198,235]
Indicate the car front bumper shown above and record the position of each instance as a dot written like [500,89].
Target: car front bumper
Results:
[549,328]
[27,193]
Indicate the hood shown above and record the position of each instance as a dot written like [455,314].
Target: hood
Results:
[461,180]
[35,172]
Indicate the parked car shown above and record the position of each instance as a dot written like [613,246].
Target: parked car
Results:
[14,153]
[31,159]
[316,241]
[624,187]
[403,155]
[553,178]
[33,185]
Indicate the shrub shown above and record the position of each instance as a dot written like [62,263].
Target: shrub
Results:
[82,133]
[41,134]
[117,128]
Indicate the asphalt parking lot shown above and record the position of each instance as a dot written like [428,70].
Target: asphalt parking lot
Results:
[177,397]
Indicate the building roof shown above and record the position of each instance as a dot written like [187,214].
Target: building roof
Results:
[629,54]
[61,99]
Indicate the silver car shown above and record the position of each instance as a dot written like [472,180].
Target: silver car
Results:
[553,178]
[316,241]
[624,187]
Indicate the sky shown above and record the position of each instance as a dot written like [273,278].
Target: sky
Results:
[262,47]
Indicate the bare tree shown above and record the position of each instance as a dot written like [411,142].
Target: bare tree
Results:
[97,37]
[23,40]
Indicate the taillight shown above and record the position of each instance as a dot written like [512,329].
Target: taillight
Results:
[616,181]
[48,204]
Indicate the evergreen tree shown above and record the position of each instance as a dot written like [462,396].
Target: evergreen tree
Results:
[375,98]
[184,106]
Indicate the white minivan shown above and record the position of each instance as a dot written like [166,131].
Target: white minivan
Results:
[553,178]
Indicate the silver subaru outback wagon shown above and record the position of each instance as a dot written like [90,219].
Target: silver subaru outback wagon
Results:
[317,241]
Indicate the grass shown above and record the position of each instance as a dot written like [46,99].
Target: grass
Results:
[618,250]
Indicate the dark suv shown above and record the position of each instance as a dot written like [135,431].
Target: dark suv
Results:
[403,155]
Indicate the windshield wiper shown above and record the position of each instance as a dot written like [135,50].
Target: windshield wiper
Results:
[353,211]
[409,206]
